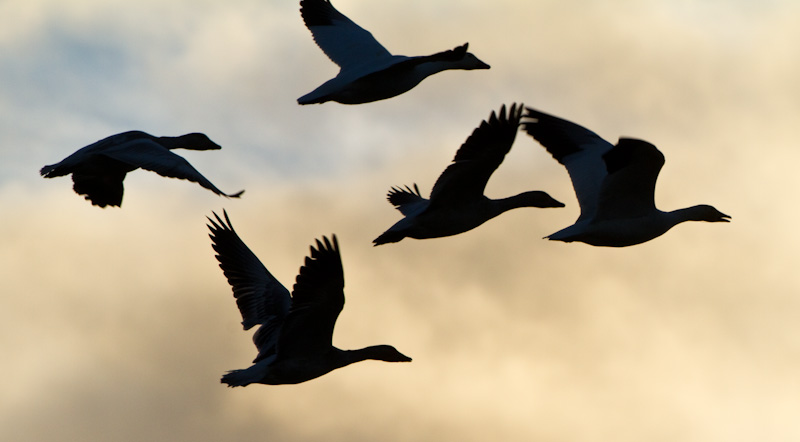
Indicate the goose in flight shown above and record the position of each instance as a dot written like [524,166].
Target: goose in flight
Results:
[457,203]
[614,185]
[295,331]
[99,168]
[368,72]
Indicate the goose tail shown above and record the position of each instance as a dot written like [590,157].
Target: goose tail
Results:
[387,237]
[313,98]
[241,378]
[236,378]
[51,171]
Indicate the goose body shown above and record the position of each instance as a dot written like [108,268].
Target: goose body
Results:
[368,72]
[99,168]
[294,338]
[614,184]
[457,202]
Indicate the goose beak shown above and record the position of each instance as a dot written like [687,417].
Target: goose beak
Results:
[552,202]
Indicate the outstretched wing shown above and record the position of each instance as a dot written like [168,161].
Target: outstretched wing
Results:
[344,42]
[628,190]
[150,155]
[578,149]
[260,297]
[466,177]
[96,176]
[317,300]
[86,161]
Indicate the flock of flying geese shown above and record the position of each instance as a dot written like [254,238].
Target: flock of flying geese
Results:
[614,185]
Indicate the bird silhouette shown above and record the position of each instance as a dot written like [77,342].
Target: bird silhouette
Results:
[99,168]
[368,72]
[614,184]
[457,202]
[294,340]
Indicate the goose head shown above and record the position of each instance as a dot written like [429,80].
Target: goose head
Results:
[384,353]
[194,141]
[704,212]
[470,62]
[537,198]
[467,60]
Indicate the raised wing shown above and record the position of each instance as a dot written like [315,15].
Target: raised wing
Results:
[260,297]
[627,192]
[150,155]
[466,177]
[344,42]
[317,300]
[407,201]
[578,149]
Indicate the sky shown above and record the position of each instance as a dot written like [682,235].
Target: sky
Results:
[117,323]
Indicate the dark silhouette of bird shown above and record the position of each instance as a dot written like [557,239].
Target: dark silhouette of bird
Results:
[457,203]
[294,340]
[615,185]
[368,72]
[99,168]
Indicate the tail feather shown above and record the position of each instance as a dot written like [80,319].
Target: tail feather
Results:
[314,97]
[237,378]
[50,171]
[387,237]
[250,375]
[303,100]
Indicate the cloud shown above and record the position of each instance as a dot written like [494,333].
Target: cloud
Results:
[118,322]
[130,323]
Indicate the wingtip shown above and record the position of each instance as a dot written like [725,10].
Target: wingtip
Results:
[394,190]
[325,244]
[219,224]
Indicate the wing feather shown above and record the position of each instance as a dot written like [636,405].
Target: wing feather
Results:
[628,190]
[406,200]
[317,300]
[150,155]
[576,148]
[261,299]
[477,159]
[344,42]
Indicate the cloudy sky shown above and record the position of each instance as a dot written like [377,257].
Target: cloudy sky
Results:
[116,324]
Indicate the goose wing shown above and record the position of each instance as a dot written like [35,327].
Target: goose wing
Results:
[344,42]
[148,154]
[317,300]
[96,176]
[260,297]
[101,190]
[86,159]
[628,189]
[466,177]
[408,201]
[576,148]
